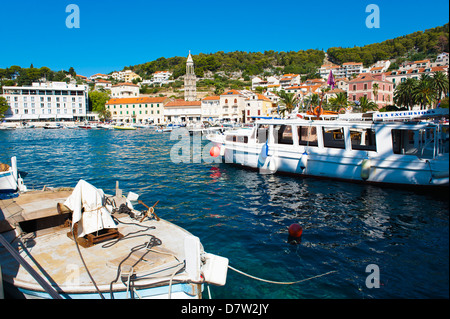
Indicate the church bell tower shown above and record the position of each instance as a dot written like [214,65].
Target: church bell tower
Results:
[190,80]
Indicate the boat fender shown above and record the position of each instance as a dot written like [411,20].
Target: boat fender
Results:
[215,269]
[304,160]
[214,151]
[263,154]
[222,150]
[265,151]
[365,168]
[273,165]
[192,250]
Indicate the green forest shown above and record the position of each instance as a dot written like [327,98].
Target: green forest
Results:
[413,47]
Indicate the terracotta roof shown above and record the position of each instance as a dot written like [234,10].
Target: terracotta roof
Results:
[175,103]
[209,98]
[137,100]
[102,81]
[419,70]
[352,63]
[126,84]
[232,92]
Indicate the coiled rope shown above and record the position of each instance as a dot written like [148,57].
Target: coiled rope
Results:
[281,282]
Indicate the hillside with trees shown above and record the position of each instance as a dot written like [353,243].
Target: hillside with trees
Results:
[415,46]
[221,65]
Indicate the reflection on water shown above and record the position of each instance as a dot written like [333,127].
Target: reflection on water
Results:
[244,215]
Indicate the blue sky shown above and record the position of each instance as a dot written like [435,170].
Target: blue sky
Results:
[114,34]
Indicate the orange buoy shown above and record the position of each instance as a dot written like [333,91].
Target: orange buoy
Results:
[295,230]
[318,111]
[214,151]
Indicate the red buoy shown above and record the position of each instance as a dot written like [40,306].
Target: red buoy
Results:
[214,151]
[295,230]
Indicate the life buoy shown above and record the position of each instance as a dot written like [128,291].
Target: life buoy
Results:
[318,111]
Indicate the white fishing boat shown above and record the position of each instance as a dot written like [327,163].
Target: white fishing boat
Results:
[82,244]
[10,179]
[53,126]
[391,148]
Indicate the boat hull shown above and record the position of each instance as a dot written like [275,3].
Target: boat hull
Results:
[7,182]
[400,170]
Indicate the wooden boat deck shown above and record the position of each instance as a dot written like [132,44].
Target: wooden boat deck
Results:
[151,251]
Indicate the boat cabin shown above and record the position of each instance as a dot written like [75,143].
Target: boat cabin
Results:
[422,139]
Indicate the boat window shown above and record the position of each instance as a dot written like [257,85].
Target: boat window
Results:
[237,138]
[418,142]
[307,135]
[333,137]
[283,134]
[363,139]
[261,133]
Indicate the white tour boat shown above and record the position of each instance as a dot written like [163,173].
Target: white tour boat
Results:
[82,244]
[388,147]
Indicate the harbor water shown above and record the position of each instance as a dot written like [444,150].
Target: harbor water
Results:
[356,230]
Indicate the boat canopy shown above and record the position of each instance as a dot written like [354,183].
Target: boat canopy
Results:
[87,204]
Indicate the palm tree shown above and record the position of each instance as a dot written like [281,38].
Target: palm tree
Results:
[339,101]
[424,94]
[375,88]
[366,105]
[403,95]
[289,100]
[440,84]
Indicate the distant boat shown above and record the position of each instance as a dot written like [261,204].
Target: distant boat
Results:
[53,126]
[123,127]
[127,254]
[6,128]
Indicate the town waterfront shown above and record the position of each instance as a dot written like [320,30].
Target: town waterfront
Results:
[244,215]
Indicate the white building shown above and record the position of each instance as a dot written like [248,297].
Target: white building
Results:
[232,104]
[46,101]
[98,76]
[211,109]
[289,80]
[181,111]
[346,70]
[271,81]
[125,76]
[159,78]
[102,84]
[441,60]
[137,109]
[380,66]
[257,105]
[124,90]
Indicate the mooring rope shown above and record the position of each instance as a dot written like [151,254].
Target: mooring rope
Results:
[280,282]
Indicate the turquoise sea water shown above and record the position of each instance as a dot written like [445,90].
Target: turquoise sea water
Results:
[244,216]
